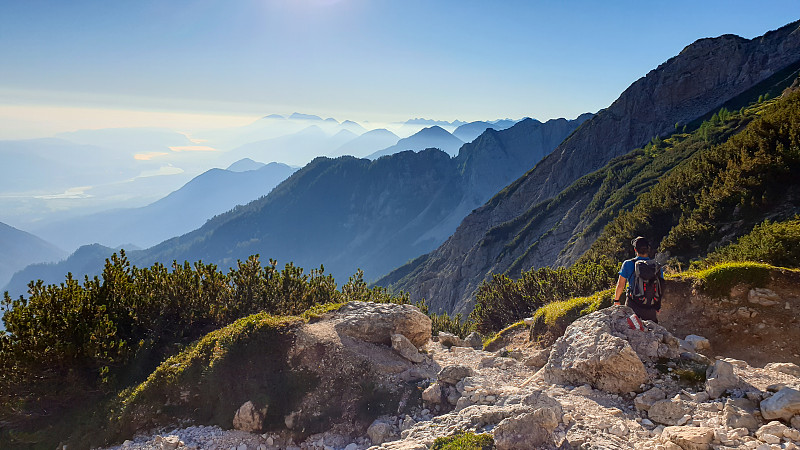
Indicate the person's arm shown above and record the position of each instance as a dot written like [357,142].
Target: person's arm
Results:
[621,282]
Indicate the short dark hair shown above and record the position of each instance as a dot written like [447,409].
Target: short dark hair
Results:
[641,244]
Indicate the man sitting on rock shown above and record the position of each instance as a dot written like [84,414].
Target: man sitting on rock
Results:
[645,280]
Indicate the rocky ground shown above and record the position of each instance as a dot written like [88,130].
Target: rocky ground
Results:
[602,385]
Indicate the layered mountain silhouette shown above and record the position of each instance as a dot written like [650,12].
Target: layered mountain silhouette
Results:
[348,213]
[20,248]
[82,261]
[297,148]
[469,131]
[211,193]
[369,142]
[431,137]
[529,223]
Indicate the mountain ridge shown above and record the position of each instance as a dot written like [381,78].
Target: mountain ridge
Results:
[702,77]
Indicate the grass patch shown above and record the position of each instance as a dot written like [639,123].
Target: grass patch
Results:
[568,311]
[717,281]
[207,382]
[491,339]
[464,441]
[317,311]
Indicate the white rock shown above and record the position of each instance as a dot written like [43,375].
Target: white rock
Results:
[376,322]
[474,340]
[773,428]
[406,349]
[450,340]
[453,374]
[668,412]
[720,378]
[352,446]
[527,431]
[433,394]
[689,438]
[378,432]
[787,368]
[698,343]
[763,297]
[619,429]
[770,438]
[783,405]
[646,399]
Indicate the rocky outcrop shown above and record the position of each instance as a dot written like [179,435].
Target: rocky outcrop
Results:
[526,431]
[602,350]
[377,322]
[721,378]
[783,405]
[512,230]
[469,390]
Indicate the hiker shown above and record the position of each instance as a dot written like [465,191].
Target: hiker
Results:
[645,280]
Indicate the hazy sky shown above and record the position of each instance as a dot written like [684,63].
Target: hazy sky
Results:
[90,64]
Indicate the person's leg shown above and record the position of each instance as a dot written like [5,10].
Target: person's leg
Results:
[645,313]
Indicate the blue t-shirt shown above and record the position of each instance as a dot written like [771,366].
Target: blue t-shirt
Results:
[629,267]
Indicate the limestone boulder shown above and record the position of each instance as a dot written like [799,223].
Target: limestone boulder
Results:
[249,418]
[453,374]
[668,412]
[689,438]
[698,343]
[763,297]
[433,394]
[738,413]
[782,405]
[774,428]
[406,349]
[526,431]
[720,377]
[379,432]
[537,358]
[377,322]
[450,340]
[474,340]
[646,399]
[597,350]
[787,368]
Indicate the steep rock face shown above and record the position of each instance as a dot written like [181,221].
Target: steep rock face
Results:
[700,79]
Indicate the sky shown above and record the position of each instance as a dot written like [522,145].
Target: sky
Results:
[66,65]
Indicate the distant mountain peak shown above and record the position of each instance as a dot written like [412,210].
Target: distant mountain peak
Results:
[274,116]
[245,164]
[301,116]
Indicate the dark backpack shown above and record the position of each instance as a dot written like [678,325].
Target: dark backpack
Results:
[646,286]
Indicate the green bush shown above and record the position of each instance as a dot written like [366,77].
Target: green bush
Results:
[776,243]
[464,441]
[69,347]
[718,280]
[502,300]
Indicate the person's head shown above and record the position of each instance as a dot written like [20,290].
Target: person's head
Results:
[641,245]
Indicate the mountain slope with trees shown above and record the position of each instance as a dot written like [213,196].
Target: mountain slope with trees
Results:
[721,69]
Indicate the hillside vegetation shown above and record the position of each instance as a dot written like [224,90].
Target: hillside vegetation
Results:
[693,193]
[70,348]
